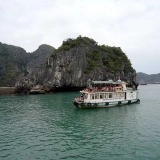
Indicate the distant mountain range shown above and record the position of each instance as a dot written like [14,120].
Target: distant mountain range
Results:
[148,78]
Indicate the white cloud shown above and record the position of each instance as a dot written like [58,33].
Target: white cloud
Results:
[132,25]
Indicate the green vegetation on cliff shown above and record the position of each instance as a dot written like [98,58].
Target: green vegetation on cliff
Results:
[113,59]
[71,43]
[14,62]
[93,60]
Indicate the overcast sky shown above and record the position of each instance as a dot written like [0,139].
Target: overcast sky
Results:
[133,25]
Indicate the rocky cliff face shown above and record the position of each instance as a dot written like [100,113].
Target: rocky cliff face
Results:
[75,63]
[16,62]
[39,57]
[13,61]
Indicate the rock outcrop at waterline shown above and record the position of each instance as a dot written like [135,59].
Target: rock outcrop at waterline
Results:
[7,90]
[75,63]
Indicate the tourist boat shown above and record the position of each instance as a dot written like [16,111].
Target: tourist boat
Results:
[100,94]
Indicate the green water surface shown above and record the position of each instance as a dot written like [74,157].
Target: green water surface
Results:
[49,127]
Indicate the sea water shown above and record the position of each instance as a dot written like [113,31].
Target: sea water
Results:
[49,127]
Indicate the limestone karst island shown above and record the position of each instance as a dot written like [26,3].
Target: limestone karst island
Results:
[64,69]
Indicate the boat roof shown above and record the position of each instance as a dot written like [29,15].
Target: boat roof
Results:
[104,82]
[108,82]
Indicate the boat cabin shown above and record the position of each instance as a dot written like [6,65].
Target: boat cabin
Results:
[102,91]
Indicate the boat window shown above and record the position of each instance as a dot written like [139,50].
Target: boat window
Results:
[106,95]
[118,95]
[110,95]
[86,96]
[96,96]
[101,96]
[92,96]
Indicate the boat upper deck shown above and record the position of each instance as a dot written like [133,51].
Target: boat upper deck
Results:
[103,89]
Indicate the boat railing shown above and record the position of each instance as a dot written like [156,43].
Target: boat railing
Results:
[111,89]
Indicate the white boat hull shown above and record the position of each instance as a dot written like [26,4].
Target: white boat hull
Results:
[104,104]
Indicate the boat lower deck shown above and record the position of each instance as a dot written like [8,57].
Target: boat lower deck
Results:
[104,104]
